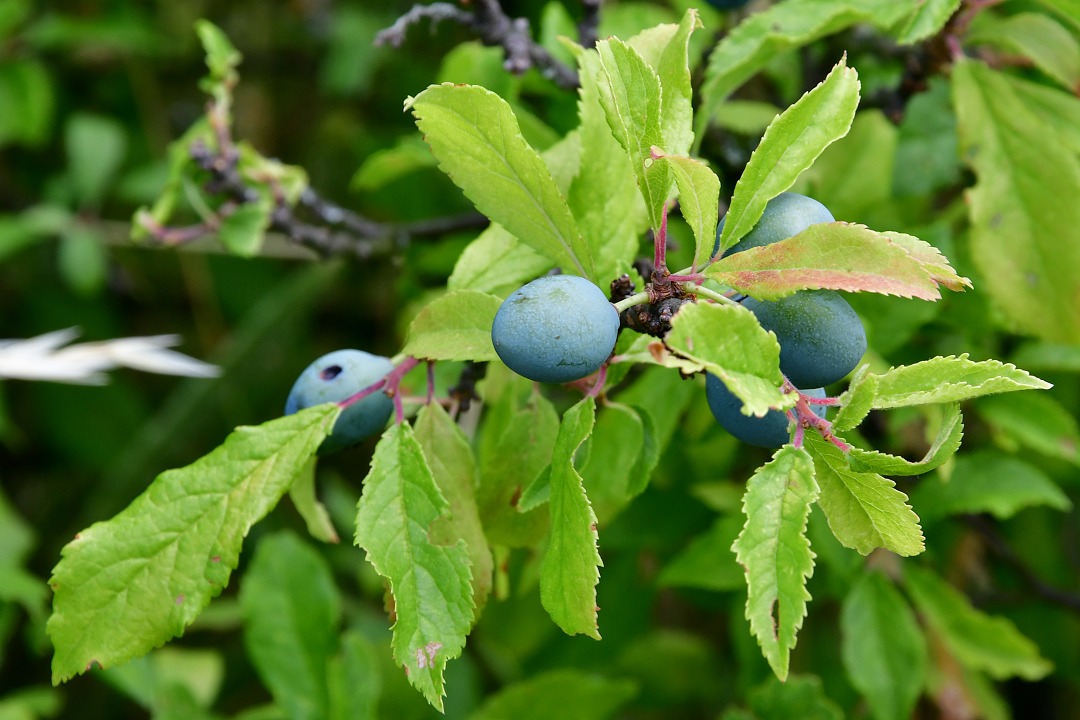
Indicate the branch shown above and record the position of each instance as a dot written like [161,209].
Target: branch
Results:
[496,29]
[1003,550]
[334,230]
[589,26]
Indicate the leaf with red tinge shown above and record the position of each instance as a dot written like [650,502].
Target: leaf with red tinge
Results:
[932,260]
[833,256]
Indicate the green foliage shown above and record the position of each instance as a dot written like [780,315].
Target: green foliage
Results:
[492,503]
[431,582]
[773,549]
[1015,221]
[883,648]
[789,146]
[475,136]
[570,569]
[126,585]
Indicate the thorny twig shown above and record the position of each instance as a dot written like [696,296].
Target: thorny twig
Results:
[497,29]
[334,230]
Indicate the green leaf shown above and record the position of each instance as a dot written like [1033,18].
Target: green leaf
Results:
[171,682]
[291,611]
[454,326]
[355,679]
[927,158]
[699,201]
[673,71]
[272,177]
[708,561]
[790,145]
[1038,37]
[979,641]
[950,379]
[865,511]
[604,195]
[883,648]
[1058,111]
[570,568]
[857,400]
[1035,420]
[316,517]
[180,163]
[516,447]
[1067,10]
[454,469]
[834,256]
[773,549]
[83,259]
[855,176]
[129,584]
[1039,355]
[727,341]
[475,137]
[928,19]
[782,27]
[800,697]
[431,584]
[383,167]
[28,98]
[944,447]
[988,481]
[563,694]
[496,262]
[1017,221]
[221,57]
[95,147]
[242,231]
[631,97]
[612,472]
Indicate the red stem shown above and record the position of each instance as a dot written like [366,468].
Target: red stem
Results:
[390,384]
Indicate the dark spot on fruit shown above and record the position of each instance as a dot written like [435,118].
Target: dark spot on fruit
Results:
[329,373]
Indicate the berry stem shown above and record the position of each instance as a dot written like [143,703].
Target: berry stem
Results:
[660,242]
[705,292]
[635,299]
[430,381]
[389,384]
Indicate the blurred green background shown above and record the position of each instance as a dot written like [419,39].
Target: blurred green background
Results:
[91,95]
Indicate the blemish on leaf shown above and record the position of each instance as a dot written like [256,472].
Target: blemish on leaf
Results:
[179,599]
[425,656]
[90,665]
[216,558]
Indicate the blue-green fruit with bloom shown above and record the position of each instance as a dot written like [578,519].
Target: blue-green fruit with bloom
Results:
[555,329]
[821,337]
[770,431]
[335,377]
[786,215]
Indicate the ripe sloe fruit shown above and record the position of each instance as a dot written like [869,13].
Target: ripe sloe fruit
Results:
[786,215]
[821,338]
[555,329]
[770,431]
[336,376]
